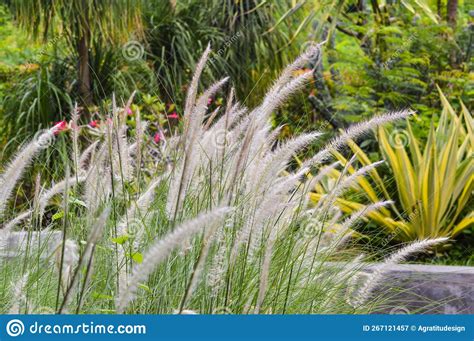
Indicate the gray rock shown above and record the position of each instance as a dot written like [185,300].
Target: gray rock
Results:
[428,289]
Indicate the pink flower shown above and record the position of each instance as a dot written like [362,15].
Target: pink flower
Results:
[173,115]
[60,126]
[158,137]
[93,124]
[209,101]
[129,111]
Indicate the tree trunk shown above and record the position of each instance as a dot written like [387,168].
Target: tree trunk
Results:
[451,16]
[83,52]
[452,11]
[84,71]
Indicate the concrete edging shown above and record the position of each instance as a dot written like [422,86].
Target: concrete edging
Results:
[428,289]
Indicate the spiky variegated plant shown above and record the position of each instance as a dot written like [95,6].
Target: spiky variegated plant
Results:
[222,229]
[434,179]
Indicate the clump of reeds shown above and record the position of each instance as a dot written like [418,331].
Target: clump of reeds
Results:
[225,228]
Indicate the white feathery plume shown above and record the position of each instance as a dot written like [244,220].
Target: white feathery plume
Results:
[231,119]
[56,189]
[317,178]
[265,270]
[19,294]
[161,249]
[373,280]
[265,218]
[353,132]
[15,170]
[346,183]
[218,267]
[211,118]
[193,127]
[328,199]
[349,181]
[276,161]
[96,232]
[347,224]
[133,218]
[193,87]
[98,179]
[94,236]
[224,120]
[274,100]
[69,260]
[12,223]
[257,146]
[75,129]
[142,204]
[121,156]
[322,173]
[85,155]
[139,133]
[136,147]
[273,136]
[286,184]
[317,226]
[197,115]
[287,74]
[209,238]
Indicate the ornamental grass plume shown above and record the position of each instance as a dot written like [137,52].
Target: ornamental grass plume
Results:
[14,171]
[374,279]
[130,225]
[66,258]
[162,248]
[19,294]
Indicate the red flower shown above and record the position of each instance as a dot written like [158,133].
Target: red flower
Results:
[173,115]
[60,126]
[93,124]
[158,137]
